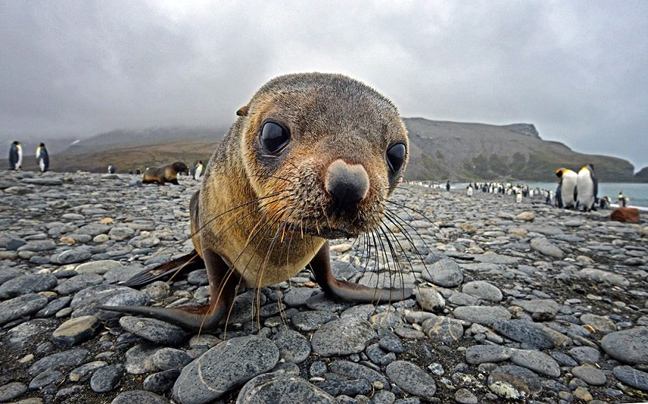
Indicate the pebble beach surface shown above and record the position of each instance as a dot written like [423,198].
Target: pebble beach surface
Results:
[518,302]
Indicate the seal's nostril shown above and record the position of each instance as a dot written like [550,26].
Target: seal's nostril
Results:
[348,185]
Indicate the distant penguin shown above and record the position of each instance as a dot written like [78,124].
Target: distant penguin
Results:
[198,170]
[448,186]
[586,188]
[565,197]
[138,172]
[111,169]
[622,200]
[15,155]
[469,190]
[604,203]
[518,197]
[42,157]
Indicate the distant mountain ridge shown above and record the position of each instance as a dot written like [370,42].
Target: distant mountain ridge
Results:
[439,150]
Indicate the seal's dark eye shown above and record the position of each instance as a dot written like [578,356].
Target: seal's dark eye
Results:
[274,137]
[396,156]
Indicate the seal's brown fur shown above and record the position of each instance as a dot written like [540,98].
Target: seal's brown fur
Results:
[165,173]
[261,216]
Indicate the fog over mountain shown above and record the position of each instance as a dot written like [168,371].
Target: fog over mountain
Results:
[576,70]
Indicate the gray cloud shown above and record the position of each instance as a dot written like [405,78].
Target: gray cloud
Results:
[577,70]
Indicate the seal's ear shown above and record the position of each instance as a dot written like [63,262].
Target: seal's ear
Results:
[243,111]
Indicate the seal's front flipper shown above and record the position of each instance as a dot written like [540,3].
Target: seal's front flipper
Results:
[189,261]
[203,318]
[344,290]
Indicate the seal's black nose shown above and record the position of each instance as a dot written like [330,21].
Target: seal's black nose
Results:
[348,185]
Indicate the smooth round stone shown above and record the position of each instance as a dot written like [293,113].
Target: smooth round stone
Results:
[483,290]
[590,375]
[544,246]
[357,371]
[537,361]
[121,233]
[293,346]
[603,276]
[59,361]
[445,273]
[599,323]
[83,372]
[630,346]
[412,379]
[522,380]
[585,354]
[45,378]
[77,283]
[162,381]
[139,397]
[268,387]
[71,256]
[98,267]
[12,390]
[171,358]
[312,320]
[540,309]
[477,354]
[298,296]
[38,246]
[20,306]
[465,396]
[632,377]
[430,300]
[342,337]
[153,330]
[443,329]
[224,367]
[524,332]
[139,359]
[106,378]
[54,306]
[484,315]
[76,330]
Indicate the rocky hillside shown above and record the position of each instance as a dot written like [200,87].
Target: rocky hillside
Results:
[475,151]
[439,151]
[642,175]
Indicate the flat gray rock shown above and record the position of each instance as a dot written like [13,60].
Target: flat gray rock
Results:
[477,354]
[544,246]
[276,387]
[445,273]
[25,284]
[483,290]
[293,346]
[224,367]
[524,332]
[537,361]
[153,330]
[485,315]
[629,346]
[139,397]
[21,306]
[632,377]
[412,379]
[342,337]
[76,330]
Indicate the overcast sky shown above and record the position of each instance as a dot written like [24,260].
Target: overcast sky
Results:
[578,70]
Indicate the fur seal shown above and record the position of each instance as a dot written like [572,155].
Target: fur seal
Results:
[166,173]
[312,157]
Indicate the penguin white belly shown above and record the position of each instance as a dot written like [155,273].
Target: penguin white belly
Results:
[585,187]
[41,164]
[569,180]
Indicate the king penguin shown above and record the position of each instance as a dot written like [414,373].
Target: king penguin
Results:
[586,188]
[198,170]
[565,197]
[42,157]
[15,155]
[469,190]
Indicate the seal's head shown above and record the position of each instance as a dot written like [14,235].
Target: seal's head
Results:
[324,151]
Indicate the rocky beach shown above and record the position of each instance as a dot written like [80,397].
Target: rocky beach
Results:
[513,303]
